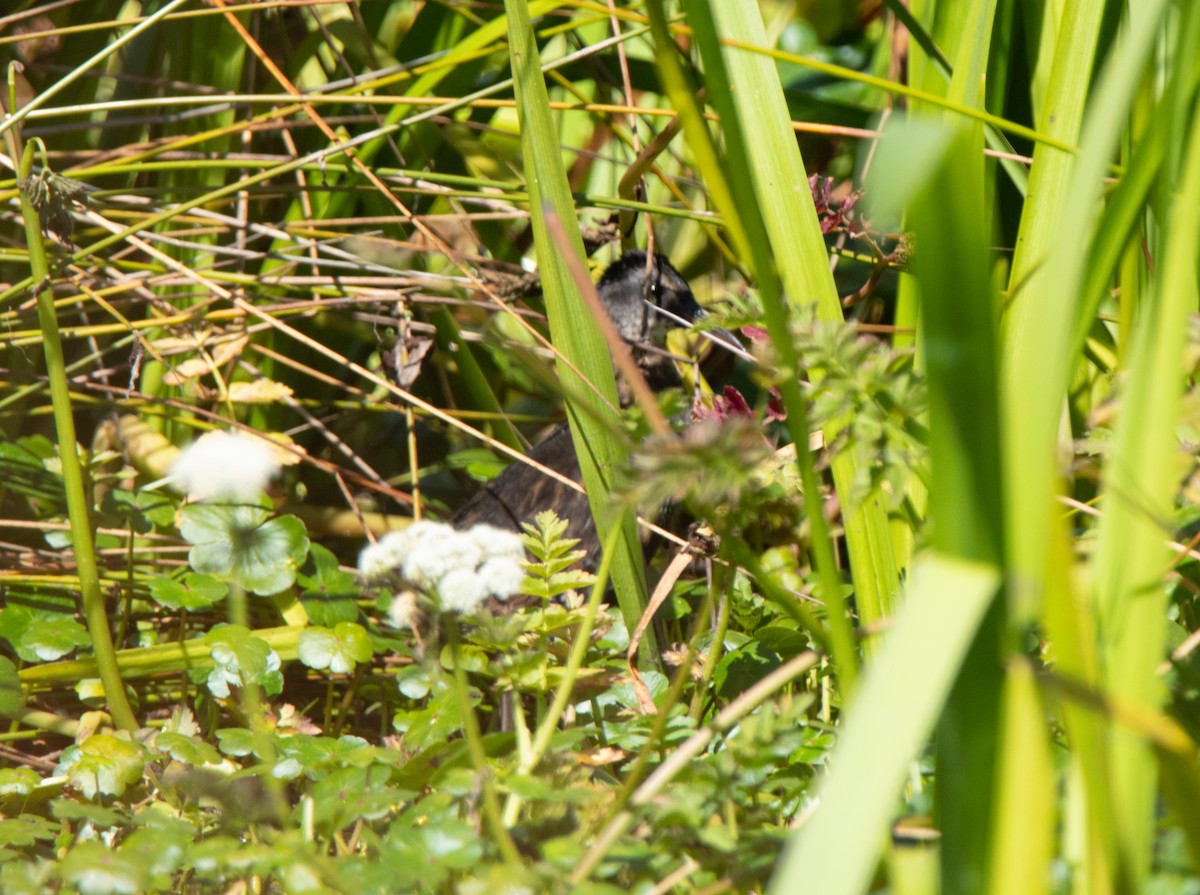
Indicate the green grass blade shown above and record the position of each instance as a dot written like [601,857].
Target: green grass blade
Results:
[965,503]
[898,703]
[1139,483]
[572,329]
[799,253]
[1041,311]
[740,162]
[78,507]
[1023,814]
[1039,355]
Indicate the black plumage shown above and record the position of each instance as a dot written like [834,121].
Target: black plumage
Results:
[644,308]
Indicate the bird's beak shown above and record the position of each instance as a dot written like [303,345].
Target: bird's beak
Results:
[721,338]
[727,341]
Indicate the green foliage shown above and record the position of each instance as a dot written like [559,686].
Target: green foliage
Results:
[102,765]
[193,591]
[244,544]
[876,389]
[551,575]
[25,467]
[40,634]
[338,650]
[432,724]
[327,592]
[239,658]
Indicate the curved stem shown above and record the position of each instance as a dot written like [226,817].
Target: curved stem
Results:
[491,803]
[72,471]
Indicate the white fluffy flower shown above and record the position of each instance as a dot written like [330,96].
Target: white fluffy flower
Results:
[224,464]
[462,567]
[461,590]
[497,543]
[420,552]
[402,613]
[425,531]
[384,556]
[438,552]
[502,576]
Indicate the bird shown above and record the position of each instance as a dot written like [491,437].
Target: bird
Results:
[645,301]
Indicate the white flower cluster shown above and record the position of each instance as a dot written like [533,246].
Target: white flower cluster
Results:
[224,464]
[403,612]
[462,567]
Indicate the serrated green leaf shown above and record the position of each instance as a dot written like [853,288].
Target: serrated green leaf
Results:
[742,667]
[239,742]
[431,725]
[415,682]
[351,794]
[27,830]
[94,869]
[47,639]
[18,781]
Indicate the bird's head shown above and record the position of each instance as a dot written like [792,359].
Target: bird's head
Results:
[646,301]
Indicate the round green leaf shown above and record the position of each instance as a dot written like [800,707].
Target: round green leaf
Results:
[239,658]
[47,639]
[193,592]
[327,592]
[103,764]
[338,650]
[240,542]
[186,749]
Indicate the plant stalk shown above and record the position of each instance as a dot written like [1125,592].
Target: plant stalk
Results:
[72,471]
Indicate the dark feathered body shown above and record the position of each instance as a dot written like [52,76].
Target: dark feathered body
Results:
[631,299]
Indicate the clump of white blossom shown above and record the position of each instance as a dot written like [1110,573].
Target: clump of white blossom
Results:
[463,568]
[403,611]
[224,464]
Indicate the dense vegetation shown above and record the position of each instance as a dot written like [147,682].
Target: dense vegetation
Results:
[946,645]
